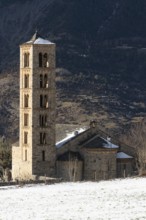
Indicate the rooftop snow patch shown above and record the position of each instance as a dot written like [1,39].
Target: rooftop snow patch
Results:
[42,41]
[69,137]
[110,145]
[39,41]
[122,155]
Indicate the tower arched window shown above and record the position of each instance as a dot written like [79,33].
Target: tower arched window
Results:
[25,137]
[45,81]
[43,155]
[26,119]
[43,138]
[43,120]
[45,101]
[41,101]
[45,59]
[26,100]
[26,81]
[40,60]
[26,59]
[41,81]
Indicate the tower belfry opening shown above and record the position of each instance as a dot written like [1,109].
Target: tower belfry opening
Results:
[36,153]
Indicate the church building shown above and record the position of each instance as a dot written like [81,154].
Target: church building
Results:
[85,156]
[36,153]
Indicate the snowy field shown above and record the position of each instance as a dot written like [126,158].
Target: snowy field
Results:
[118,199]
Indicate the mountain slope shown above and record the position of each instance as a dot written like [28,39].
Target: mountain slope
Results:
[100,58]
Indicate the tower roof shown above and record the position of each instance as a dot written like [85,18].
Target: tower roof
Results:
[38,39]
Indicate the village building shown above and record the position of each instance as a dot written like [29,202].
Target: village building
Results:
[88,155]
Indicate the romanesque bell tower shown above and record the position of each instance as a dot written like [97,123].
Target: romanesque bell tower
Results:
[36,153]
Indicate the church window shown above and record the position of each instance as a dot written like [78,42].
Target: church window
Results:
[45,81]
[41,101]
[45,59]
[45,101]
[25,137]
[43,155]
[26,100]
[40,60]
[25,155]
[41,81]
[26,81]
[26,59]
[42,138]
[25,119]
[43,120]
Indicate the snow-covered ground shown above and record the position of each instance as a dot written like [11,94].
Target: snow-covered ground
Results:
[118,199]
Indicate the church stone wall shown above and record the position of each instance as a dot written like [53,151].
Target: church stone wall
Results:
[99,165]
[20,169]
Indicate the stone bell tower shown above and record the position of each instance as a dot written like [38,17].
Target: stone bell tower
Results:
[36,153]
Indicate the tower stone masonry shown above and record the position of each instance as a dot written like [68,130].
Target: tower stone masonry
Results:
[35,153]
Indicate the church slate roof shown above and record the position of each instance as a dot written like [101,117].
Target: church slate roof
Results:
[99,142]
[95,142]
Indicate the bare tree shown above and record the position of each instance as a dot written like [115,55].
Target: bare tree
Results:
[136,138]
[5,154]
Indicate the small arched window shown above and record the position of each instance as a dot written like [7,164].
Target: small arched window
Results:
[43,138]
[26,81]
[26,59]
[45,81]
[40,60]
[43,155]
[26,101]
[43,120]
[26,119]
[41,101]
[45,101]
[25,137]
[45,60]
[41,81]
